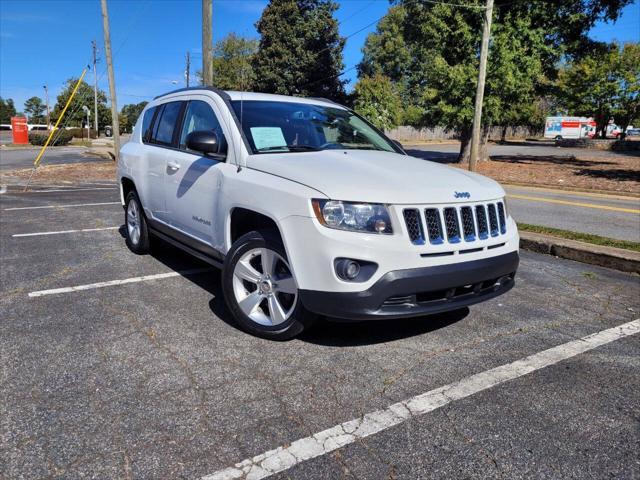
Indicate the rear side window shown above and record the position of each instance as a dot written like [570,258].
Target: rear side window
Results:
[166,123]
[146,123]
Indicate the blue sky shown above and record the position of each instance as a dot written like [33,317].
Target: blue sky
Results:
[49,41]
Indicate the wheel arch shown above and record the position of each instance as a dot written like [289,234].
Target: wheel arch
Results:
[243,220]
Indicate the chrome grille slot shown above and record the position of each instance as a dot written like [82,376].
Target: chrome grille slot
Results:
[493,220]
[414,225]
[451,225]
[481,218]
[468,228]
[434,226]
[502,218]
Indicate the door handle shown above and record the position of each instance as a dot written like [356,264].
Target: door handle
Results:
[173,166]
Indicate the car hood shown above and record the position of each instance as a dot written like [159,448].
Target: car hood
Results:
[378,177]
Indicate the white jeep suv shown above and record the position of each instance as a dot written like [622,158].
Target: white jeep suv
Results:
[309,210]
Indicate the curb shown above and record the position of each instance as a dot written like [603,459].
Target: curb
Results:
[609,257]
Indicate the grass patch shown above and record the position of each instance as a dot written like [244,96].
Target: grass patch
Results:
[581,237]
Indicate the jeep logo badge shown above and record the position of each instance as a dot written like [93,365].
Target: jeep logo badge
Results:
[461,194]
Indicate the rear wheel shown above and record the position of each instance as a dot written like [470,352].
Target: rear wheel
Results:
[260,289]
[137,233]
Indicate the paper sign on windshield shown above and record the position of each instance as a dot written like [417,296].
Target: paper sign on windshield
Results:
[265,137]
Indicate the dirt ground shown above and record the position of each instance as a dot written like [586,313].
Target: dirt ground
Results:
[619,173]
[70,173]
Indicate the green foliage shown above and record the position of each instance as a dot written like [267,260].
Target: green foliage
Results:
[300,50]
[7,110]
[377,100]
[605,84]
[35,109]
[61,137]
[129,115]
[232,63]
[84,96]
[81,132]
[385,52]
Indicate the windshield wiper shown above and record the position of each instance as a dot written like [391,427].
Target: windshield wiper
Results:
[290,148]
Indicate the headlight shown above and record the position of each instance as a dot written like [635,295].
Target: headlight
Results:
[356,217]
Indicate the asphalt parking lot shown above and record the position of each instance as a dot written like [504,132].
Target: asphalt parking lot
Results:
[116,366]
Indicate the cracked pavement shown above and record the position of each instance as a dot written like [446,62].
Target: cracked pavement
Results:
[153,380]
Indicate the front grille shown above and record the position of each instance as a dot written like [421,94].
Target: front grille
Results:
[434,226]
[493,220]
[414,225]
[455,224]
[451,225]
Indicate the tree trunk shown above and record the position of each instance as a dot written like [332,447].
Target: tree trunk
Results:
[465,145]
[503,134]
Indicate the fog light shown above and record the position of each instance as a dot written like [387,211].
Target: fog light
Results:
[347,269]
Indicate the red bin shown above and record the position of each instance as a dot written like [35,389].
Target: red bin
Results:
[20,130]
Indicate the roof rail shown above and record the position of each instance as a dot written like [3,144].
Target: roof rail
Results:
[189,89]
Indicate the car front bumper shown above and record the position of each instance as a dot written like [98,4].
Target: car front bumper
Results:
[419,291]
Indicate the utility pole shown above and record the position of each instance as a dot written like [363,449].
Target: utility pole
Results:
[46,100]
[482,73]
[115,124]
[187,70]
[207,43]
[95,88]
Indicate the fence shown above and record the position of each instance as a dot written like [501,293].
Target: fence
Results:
[411,134]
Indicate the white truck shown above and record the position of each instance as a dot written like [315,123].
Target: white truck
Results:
[559,128]
[309,210]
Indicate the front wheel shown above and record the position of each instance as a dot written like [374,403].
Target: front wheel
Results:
[260,289]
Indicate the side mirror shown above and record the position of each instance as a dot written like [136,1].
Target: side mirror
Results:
[203,141]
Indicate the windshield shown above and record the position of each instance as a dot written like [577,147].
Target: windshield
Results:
[280,127]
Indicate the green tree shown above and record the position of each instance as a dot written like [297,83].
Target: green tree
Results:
[129,115]
[385,51]
[84,96]
[627,108]
[35,110]
[377,99]
[7,110]
[604,85]
[300,50]
[232,63]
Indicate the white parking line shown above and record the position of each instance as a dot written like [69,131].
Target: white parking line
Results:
[37,234]
[61,206]
[91,286]
[88,189]
[283,458]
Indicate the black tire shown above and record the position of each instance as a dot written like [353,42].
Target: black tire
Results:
[300,318]
[138,244]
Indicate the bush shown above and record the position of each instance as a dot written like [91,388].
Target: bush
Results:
[81,132]
[60,137]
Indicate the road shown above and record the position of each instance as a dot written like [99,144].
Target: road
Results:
[605,215]
[24,157]
[150,378]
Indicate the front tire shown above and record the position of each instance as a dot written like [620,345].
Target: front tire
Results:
[137,232]
[260,289]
